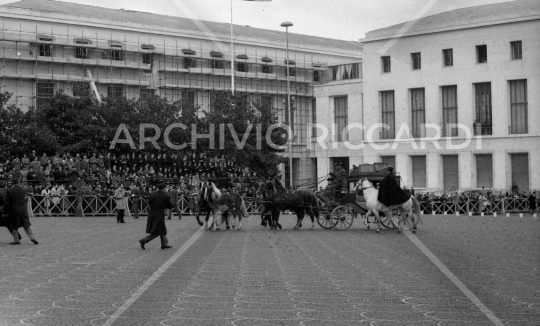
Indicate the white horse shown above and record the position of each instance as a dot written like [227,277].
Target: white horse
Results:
[232,203]
[374,206]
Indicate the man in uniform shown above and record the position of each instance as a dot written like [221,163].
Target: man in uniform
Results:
[17,210]
[390,193]
[159,201]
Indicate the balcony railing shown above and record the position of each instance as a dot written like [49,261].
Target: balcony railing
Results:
[387,134]
[419,132]
[449,131]
[516,130]
[483,130]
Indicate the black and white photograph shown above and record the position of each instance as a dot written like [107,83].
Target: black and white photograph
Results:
[269,162]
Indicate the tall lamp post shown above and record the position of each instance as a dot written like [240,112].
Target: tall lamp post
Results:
[289,106]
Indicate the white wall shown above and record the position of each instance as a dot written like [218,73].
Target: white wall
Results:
[499,70]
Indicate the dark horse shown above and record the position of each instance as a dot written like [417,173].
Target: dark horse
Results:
[300,202]
[263,196]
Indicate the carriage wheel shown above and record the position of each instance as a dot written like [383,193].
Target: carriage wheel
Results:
[389,224]
[342,217]
[409,222]
[325,220]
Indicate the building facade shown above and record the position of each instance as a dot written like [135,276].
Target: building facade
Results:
[46,46]
[469,78]
[338,109]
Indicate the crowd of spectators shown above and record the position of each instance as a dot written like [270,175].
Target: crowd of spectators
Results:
[486,198]
[102,173]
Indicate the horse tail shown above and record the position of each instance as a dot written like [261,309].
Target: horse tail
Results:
[416,204]
[243,208]
[217,192]
[314,205]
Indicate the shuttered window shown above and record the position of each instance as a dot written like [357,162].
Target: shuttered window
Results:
[482,123]
[520,171]
[518,107]
[450,172]
[115,91]
[388,115]
[418,112]
[484,171]
[517,52]
[416,60]
[450,112]
[341,117]
[44,92]
[448,57]
[189,97]
[419,171]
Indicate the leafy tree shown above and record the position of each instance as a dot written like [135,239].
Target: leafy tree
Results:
[20,132]
[234,110]
[73,124]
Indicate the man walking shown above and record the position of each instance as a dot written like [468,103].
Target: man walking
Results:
[17,210]
[173,194]
[155,226]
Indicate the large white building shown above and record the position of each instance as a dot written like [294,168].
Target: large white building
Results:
[47,46]
[478,67]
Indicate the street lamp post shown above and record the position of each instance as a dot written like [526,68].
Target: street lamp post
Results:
[289,106]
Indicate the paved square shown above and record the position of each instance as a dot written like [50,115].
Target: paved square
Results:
[85,269]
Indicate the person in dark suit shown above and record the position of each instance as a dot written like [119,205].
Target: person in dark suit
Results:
[159,201]
[173,194]
[3,202]
[390,193]
[17,210]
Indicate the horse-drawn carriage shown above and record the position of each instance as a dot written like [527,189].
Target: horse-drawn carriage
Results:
[338,209]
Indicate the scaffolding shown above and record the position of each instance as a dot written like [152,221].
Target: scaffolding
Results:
[37,62]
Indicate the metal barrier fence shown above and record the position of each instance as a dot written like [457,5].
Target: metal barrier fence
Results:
[500,206]
[106,206]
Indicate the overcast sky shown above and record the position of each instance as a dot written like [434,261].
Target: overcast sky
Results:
[339,19]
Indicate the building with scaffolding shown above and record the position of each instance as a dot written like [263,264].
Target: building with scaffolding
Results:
[48,46]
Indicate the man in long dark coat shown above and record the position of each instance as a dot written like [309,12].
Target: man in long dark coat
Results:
[17,210]
[159,201]
[532,202]
[390,193]
[3,203]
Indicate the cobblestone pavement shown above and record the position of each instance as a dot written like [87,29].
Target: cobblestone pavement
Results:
[85,269]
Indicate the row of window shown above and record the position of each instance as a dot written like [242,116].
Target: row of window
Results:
[516,53]
[45,90]
[483,122]
[450,170]
[187,62]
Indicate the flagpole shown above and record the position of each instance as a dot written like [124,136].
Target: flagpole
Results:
[232,50]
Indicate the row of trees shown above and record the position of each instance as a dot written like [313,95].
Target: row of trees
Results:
[81,125]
